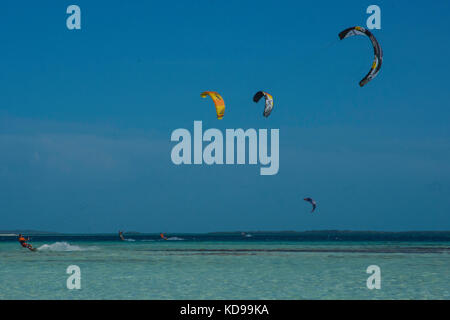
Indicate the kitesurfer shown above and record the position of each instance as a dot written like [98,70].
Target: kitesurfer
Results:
[23,242]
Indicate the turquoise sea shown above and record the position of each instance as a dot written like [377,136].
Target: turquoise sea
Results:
[223,267]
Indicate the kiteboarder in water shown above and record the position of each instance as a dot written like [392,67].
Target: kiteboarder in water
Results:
[23,242]
[314,204]
[121,236]
[163,236]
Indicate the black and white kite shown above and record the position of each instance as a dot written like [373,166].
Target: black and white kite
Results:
[313,203]
[378,59]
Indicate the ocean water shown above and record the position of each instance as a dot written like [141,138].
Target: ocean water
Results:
[224,267]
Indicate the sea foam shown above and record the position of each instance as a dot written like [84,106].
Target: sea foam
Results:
[64,246]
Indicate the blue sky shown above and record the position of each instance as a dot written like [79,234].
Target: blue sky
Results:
[86,116]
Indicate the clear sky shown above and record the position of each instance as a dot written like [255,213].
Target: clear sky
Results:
[86,116]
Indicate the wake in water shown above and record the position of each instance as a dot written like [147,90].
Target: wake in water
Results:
[175,239]
[63,246]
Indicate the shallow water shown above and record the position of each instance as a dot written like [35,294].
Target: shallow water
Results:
[156,269]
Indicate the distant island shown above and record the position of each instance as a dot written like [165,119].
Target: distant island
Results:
[28,232]
[288,235]
[326,231]
[346,235]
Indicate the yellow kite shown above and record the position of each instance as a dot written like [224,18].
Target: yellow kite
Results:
[218,102]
